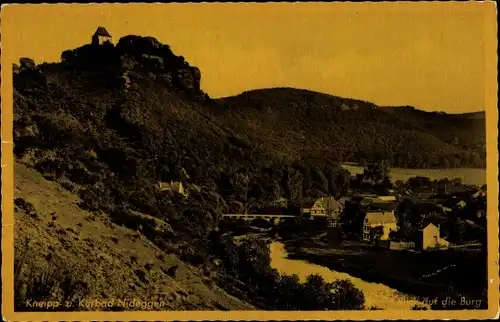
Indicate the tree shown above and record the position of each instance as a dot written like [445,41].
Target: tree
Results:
[404,212]
[377,232]
[288,292]
[319,180]
[254,259]
[376,171]
[27,63]
[444,162]
[346,296]
[343,180]
[316,295]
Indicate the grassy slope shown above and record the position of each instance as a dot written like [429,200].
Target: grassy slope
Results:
[82,242]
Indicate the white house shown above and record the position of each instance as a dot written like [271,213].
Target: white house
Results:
[429,238]
[174,186]
[385,219]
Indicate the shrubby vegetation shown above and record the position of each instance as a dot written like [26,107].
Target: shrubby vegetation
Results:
[250,263]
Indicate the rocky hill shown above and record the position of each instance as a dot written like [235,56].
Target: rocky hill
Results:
[110,122]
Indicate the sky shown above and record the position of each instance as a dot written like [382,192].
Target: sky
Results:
[428,55]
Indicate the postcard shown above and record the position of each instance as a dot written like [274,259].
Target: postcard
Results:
[249,161]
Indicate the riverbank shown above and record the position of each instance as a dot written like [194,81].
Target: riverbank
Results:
[423,275]
[377,296]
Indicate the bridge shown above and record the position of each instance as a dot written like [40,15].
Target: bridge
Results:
[273,219]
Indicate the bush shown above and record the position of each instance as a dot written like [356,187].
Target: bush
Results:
[94,199]
[25,206]
[346,296]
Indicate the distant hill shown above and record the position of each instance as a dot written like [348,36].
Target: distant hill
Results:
[302,123]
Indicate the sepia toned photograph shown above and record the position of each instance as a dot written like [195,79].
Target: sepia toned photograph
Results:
[257,161]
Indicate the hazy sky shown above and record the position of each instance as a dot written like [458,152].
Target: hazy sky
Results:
[429,55]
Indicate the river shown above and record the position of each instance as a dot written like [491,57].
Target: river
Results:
[376,294]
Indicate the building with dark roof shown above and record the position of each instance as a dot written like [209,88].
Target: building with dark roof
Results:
[101,36]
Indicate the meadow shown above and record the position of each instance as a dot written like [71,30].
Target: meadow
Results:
[474,176]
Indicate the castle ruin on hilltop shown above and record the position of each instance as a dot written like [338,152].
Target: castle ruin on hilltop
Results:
[101,36]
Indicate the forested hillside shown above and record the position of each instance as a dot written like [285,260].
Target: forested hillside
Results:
[301,123]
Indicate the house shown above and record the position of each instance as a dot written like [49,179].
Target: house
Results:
[444,208]
[326,207]
[178,187]
[380,218]
[429,238]
[409,192]
[174,186]
[305,207]
[280,203]
[386,199]
[461,204]
[396,245]
[101,36]
[479,194]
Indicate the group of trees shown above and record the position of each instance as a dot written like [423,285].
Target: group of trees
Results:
[250,263]
[458,225]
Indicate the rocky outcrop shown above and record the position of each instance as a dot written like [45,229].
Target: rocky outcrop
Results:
[188,77]
[27,63]
[147,54]
[134,58]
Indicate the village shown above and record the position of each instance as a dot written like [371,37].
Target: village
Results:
[404,221]
[417,215]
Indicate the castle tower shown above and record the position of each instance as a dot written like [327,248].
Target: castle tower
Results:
[101,36]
